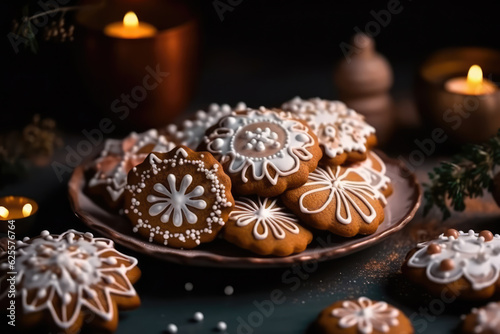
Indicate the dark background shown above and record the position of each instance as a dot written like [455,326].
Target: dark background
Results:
[263,52]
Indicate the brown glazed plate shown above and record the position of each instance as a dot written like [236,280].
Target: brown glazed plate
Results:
[401,208]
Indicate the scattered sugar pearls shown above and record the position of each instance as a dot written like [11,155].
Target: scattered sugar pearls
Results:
[221,326]
[172,329]
[198,317]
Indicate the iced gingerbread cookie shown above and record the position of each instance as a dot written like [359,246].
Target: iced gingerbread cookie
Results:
[264,226]
[465,265]
[66,281]
[192,130]
[362,316]
[180,199]
[485,320]
[264,151]
[343,134]
[373,170]
[337,199]
[109,172]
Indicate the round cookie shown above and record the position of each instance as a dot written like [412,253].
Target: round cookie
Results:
[362,316]
[337,199]
[181,198]
[192,130]
[68,280]
[373,170]
[464,265]
[485,320]
[265,227]
[343,134]
[109,172]
[264,151]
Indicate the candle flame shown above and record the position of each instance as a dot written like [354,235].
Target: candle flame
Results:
[130,20]
[475,76]
[27,208]
[4,213]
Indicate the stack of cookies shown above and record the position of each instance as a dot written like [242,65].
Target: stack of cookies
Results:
[263,179]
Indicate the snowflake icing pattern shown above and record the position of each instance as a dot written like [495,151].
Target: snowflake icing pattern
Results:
[73,268]
[265,216]
[176,202]
[367,315]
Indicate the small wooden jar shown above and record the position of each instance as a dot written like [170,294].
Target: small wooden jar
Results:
[464,118]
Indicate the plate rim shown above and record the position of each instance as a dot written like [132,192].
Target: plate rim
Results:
[185,257]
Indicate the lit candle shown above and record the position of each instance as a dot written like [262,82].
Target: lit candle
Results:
[17,207]
[130,28]
[474,84]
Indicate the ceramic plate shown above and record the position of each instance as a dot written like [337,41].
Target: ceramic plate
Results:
[400,209]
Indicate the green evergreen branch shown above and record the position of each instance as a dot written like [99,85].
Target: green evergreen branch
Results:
[467,175]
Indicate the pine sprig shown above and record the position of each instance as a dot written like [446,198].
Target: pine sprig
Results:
[467,175]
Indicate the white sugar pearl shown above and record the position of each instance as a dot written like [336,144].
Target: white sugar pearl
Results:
[221,326]
[198,316]
[172,328]
[188,286]
[228,290]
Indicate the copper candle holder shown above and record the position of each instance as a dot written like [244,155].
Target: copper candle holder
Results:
[465,118]
[21,210]
[143,82]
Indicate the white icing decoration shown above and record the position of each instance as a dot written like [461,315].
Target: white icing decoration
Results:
[73,267]
[286,156]
[119,156]
[342,192]
[212,188]
[475,259]
[375,177]
[339,129]
[487,319]
[367,315]
[266,215]
[260,140]
[176,201]
[191,132]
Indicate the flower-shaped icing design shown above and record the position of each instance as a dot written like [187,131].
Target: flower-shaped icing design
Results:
[342,192]
[367,315]
[68,273]
[266,143]
[460,254]
[120,156]
[176,202]
[266,215]
[339,129]
[192,130]
[487,319]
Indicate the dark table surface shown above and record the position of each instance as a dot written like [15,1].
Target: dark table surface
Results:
[374,272]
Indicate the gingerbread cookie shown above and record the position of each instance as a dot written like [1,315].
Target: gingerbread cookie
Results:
[466,265]
[180,199]
[65,281]
[192,130]
[362,316]
[264,151]
[485,320]
[337,199]
[109,172]
[343,134]
[265,227]
[373,170]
